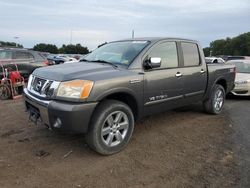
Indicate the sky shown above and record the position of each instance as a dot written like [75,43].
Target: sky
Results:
[93,22]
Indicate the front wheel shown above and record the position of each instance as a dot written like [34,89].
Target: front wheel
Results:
[111,127]
[215,103]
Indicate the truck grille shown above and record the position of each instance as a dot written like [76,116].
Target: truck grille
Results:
[38,84]
[42,87]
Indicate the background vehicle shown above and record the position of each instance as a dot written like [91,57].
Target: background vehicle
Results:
[78,60]
[242,80]
[122,82]
[60,59]
[214,60]
[26,60]
[230,57]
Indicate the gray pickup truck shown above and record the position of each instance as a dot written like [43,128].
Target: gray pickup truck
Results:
[121,82]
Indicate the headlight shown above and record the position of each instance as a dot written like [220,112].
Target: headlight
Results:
[29,82]
[78,89]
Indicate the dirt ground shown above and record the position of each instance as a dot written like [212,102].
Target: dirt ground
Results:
[181,148]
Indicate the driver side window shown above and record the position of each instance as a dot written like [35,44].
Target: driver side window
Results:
[167,51]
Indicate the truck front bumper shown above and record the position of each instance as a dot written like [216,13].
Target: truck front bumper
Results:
[65,116]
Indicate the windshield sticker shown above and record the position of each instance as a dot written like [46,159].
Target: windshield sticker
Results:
[140,42]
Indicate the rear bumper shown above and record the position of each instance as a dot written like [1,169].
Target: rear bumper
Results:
[65,116]
[241,90]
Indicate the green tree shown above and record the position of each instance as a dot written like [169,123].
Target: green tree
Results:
[42,47]
[10,44]
[207,51]
[239,45]
[218,47]
[73,49]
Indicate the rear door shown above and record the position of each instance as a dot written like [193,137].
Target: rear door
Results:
[162,88]
[194,72]
[24,61]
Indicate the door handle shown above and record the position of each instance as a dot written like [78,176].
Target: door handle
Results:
[202,71]
[178,74]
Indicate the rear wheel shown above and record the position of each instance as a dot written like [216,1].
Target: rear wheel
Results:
[215,103]
[5,92]
[111,127]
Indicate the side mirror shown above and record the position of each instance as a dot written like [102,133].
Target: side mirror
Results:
[152,62]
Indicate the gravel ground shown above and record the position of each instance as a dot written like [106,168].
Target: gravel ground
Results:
[180,148]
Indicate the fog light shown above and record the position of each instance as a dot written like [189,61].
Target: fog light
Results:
[58,123]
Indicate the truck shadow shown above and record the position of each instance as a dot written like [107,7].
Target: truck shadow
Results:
[233,97]
[37,138]
[148,124]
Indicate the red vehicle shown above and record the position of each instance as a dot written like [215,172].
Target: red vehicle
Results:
[11,83]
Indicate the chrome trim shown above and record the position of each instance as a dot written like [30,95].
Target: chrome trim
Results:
[34,99]
[134,81]
[178,75]
[164,100]
[202,71]
[54,85]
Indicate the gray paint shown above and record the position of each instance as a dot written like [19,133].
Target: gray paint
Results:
[153,90]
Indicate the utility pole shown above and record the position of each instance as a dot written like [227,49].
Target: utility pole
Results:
[16,40]
[70,37]
[133,34]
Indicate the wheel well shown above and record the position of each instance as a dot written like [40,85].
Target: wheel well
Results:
[127,99]
[223,83]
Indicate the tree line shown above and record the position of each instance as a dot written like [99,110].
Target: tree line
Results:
[238,46]
[51,48]
[10,44]
[64,49]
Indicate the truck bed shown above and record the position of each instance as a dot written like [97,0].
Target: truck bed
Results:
[218,71]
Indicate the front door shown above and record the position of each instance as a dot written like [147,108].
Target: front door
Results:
[163,85]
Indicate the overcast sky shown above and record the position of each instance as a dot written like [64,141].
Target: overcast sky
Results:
[94,22]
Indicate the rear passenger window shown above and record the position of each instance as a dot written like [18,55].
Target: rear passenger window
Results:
[5,55]
[167,51]
[23,55]
[190,54]
[30,56]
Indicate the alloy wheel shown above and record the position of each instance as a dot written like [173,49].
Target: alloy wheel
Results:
[115,128]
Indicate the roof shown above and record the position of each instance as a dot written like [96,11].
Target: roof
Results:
[156,39]
[9,48]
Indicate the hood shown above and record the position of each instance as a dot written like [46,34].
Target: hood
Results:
[71,71]
[242,77]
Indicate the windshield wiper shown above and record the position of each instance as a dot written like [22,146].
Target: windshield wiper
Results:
[103,61]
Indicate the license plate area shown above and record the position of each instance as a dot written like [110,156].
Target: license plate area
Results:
[34,113]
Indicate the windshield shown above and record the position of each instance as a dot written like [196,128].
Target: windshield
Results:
[122,53]
[242,67]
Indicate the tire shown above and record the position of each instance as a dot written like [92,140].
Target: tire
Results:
[5,92]
[215,103]
[111,127]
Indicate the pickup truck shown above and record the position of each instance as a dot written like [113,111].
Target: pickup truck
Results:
[121,82]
